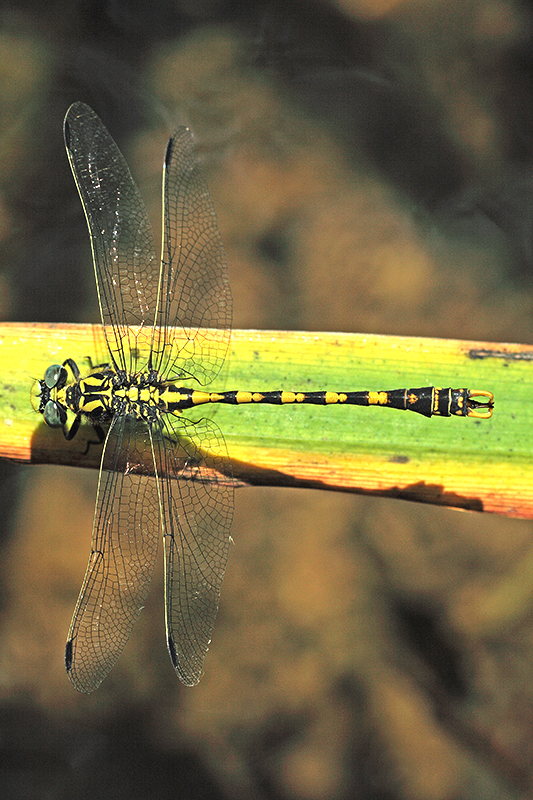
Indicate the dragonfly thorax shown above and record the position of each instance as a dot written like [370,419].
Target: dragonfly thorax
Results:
[105,393]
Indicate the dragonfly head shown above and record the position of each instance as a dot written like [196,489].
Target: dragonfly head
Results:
[44,396]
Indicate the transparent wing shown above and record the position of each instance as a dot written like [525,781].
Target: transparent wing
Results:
[190,290]
[125,261]
[123,553]
[198,510]
[195,292]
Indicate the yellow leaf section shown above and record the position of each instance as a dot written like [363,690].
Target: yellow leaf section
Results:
[461,462]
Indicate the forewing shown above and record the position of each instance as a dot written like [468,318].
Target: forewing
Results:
[198,510]
[125,261]
[123,553]
[195,292]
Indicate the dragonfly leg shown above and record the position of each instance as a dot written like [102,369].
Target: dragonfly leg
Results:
[70,433]
[105,365]
[69,362]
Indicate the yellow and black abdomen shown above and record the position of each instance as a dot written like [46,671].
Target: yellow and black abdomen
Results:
[426,400]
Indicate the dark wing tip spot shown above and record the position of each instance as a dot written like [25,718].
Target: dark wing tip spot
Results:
[168,156]
[187,679]
[66,130]
[68,655]
[172,651]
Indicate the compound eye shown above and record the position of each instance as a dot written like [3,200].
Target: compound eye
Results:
[54,415]
[55,376]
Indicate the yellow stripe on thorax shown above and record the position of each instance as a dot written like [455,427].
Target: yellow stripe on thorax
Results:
[101,393]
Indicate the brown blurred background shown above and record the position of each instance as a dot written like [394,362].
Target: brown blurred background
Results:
[371,166]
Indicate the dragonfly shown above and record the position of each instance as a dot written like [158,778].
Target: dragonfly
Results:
[163,475]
